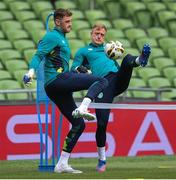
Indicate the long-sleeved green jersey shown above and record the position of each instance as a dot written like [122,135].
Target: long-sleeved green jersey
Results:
[98,62]
[54,49]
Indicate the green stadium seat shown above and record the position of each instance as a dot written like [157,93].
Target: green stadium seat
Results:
[28,53]
[8,25]
[113,9]
[19,5]
[25,15]
[5,75]
[171,24]
[101,21]
[75,44]
[135,33]
[77,14]
[1,66]
[169,96]
[114,34]
[72,35]
[144,95]
[159,82]
[5,44]
[18,75]
[80,24]
[148,72]
[17,34]
[84,34]
[162,62]
[133,7]
[157,32]
[2,97]
[35,24]
[3,6]
[44,15]
[23,44]
[15,64]
[155,7]
[167,42]
[164,16]
[156,52]
[172,53]
[171,5]
[9,54]
[131,51]
[174,81]
[5,15]
[65,4]
[40,6]
[92,15]
[170,73]
[137,82]
[126,43]
[141,41]
[122,23]
[37,34]
[12,85]
[83,5]
[1,35]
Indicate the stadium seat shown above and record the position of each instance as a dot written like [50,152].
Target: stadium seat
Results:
[5,44]
[114,34]
[9,54]
[72,35]
[2,36]
[107,23]
[40,6]
[3,6]
[18,75]
[80,24]
[126,43]
[167,42]
[28,53]
[113,9]
[171,24]
[25,15]
[75,44]
[19,5]
[84,34]
[147,73]
[37,34]
[134,33]
[169,96]
[17,34]
[157,32]
[137,82]
[23,44]
[5,75]
[65,4]
[92,15]
[164,16]
[141,41]
[15,64]
[12,85]
[155,7]
[77,14]
[156,52]
[8,25]
[159,82]
[172,53]
[122,23]
[1,66]
[170,73]
[161,62]
[83,5]
[131,51]
[35,24]
[5,15]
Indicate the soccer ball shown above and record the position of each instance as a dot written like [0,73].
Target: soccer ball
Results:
[114,50]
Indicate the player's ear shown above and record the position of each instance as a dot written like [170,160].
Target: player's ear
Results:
[57,22]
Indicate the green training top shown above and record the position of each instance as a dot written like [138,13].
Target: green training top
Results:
[54,49]
[94,55]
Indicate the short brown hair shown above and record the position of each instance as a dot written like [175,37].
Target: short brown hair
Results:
[99,26]
[60,13]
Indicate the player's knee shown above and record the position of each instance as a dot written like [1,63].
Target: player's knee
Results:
[80,126]
[104,83]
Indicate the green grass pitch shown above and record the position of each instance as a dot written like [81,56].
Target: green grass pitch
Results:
[141,167]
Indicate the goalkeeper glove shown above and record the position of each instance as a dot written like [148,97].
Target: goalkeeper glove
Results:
[27,79]
[82,69]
